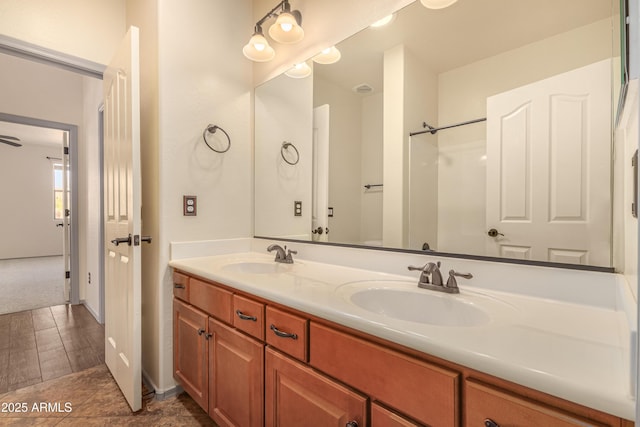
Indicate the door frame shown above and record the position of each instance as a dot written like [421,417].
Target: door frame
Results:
[43,55]
[73,167]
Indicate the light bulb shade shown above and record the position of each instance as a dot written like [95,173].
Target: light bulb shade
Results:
[299,71]
[286,29]
[258,49]
[437,4]
[328,56]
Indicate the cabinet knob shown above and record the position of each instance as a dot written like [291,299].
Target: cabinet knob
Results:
[490,423]
[352,424]
[200,331]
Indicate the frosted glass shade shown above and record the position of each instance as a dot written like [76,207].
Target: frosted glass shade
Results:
[328,56]
[299,71]
[286,29]
[437,4]
[258,49]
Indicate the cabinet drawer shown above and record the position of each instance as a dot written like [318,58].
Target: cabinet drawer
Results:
[382,417]
[210,298]
[181,286]
[296,395]
[425,392]
[287,332]
[248,316]
[485,402]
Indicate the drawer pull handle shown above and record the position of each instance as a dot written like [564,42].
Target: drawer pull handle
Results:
[243,316]
[283,334]
[200,331]
[490,423]
[178,286]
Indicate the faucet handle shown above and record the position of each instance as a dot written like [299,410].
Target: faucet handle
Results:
[424,276]
[289,258]
[452,283]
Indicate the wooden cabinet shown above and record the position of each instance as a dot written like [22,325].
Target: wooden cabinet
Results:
[424,391]
[248,316]
[190,351]
[383,417]
[236,377]
[315,373]
[296,395]
[181,286]
[486,405]
[287,332]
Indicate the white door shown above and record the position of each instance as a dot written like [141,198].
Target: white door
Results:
[549,169]
[122,218]
[320,208]
[66,218]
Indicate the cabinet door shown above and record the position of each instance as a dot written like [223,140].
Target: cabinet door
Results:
[296,395]
[382,417]
[190,351]
[236,377]
[484,402]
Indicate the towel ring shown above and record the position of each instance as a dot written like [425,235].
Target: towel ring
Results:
[212,129]
[285,146]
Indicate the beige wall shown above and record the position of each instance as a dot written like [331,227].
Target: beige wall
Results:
[88,29]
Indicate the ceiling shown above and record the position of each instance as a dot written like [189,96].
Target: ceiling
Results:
[461,34]
[32,135]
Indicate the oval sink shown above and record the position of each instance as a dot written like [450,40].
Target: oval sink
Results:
[419,307]
[403,300]
[253,267]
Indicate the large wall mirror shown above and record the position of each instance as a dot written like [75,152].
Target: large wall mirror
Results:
[481,129]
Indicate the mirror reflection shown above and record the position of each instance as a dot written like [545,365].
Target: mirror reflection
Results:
[483,129]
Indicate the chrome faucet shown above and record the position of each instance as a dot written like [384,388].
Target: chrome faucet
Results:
[282,255]
[431,278]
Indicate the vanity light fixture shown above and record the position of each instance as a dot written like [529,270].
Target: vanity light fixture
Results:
[299,71]
[437,4]
[384,21]
[329,55]
[258,48]
[286,29]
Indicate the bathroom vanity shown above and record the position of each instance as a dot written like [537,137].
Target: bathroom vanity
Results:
[263,343]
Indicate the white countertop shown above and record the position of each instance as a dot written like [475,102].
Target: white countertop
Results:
[577,352]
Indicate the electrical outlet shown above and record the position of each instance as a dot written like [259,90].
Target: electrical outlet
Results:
[189,205]
[297,208]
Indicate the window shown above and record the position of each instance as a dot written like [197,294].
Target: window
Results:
[58,192]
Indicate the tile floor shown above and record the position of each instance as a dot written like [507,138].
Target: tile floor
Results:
[52,373]
[92,398]
[47,343]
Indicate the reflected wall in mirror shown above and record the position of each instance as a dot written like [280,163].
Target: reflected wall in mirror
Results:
[532,182]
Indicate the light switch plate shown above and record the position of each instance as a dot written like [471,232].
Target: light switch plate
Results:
[189,205]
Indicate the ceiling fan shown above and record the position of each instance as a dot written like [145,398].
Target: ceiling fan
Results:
[11,140]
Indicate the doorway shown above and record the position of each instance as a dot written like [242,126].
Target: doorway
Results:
[39,263]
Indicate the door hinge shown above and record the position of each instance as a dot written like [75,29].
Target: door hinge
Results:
[66,150]
[67,275]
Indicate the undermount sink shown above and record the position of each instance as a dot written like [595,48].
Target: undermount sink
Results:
[254,267]
[403,301]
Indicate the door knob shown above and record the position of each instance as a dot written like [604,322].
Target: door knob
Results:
[318,230]
[494,233]
[119,240]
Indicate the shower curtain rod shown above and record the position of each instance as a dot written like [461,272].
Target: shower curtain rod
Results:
[433,130]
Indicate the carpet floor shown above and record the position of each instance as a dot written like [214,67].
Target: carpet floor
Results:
[30,283]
